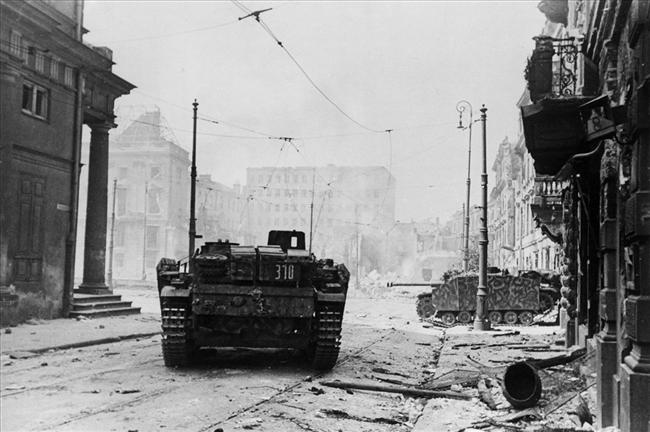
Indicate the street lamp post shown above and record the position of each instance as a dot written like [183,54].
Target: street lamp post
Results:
[192,230]
[481,321]
[461,106]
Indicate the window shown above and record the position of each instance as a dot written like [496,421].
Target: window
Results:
[16,43]
[54,67]
[40,62]
[121,202]
[119,260]
[153,201]
[35,100]
[24,50]
[123,172]
[152,236]
[67,76]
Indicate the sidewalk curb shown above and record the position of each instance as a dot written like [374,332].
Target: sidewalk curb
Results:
[88,343]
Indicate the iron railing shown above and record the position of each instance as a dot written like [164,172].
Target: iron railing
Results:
[555,68]
[565,62]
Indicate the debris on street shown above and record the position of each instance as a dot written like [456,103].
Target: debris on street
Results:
[411,391]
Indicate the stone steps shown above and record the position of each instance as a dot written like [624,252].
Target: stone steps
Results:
[100,305]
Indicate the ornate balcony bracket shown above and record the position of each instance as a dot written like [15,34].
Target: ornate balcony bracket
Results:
[555,238]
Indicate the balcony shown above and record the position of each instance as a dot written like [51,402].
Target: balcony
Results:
[560,79]
[557,70]
[546,204]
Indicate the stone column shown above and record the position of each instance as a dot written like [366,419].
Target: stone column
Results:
[96,212]
[606,339]
[569,266]
[634,414]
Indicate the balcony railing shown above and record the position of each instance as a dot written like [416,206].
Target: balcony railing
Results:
[547,200]
[558,69]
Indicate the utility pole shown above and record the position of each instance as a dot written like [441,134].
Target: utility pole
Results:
[311,209]
[481,321]
[144,232]
[192,232]
[109,273]
[461,107]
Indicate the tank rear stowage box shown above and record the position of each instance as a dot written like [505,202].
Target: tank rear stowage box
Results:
[510,299]
[273,296]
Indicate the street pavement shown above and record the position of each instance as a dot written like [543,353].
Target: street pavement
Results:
[383,342]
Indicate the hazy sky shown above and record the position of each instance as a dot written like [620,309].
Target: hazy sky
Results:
[389,65]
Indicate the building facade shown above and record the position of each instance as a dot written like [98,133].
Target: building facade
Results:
[149,183]
[218,208]
[588,125]
[501,208]
[518,240]
[148,172]
[52,84]
[350,208]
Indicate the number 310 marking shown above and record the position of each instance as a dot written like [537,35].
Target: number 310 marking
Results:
[284,271]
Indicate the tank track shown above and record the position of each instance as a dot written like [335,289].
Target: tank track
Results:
[177,347]
[455,323]
[424,307]
[325,349]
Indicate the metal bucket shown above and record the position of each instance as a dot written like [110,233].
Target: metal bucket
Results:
[521,385]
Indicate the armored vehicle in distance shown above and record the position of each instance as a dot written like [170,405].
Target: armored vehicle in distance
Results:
[510,299]
[273,296]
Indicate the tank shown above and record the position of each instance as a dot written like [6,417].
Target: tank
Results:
[511,299]
[272,296]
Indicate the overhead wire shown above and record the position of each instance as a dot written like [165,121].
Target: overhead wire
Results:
[327,182]
[268,30]
[162,36]
[214,120]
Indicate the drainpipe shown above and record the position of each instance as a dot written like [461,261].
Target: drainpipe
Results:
[71,240]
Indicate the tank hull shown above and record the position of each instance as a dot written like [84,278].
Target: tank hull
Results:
[259,297]
[260,317]
[510,299]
